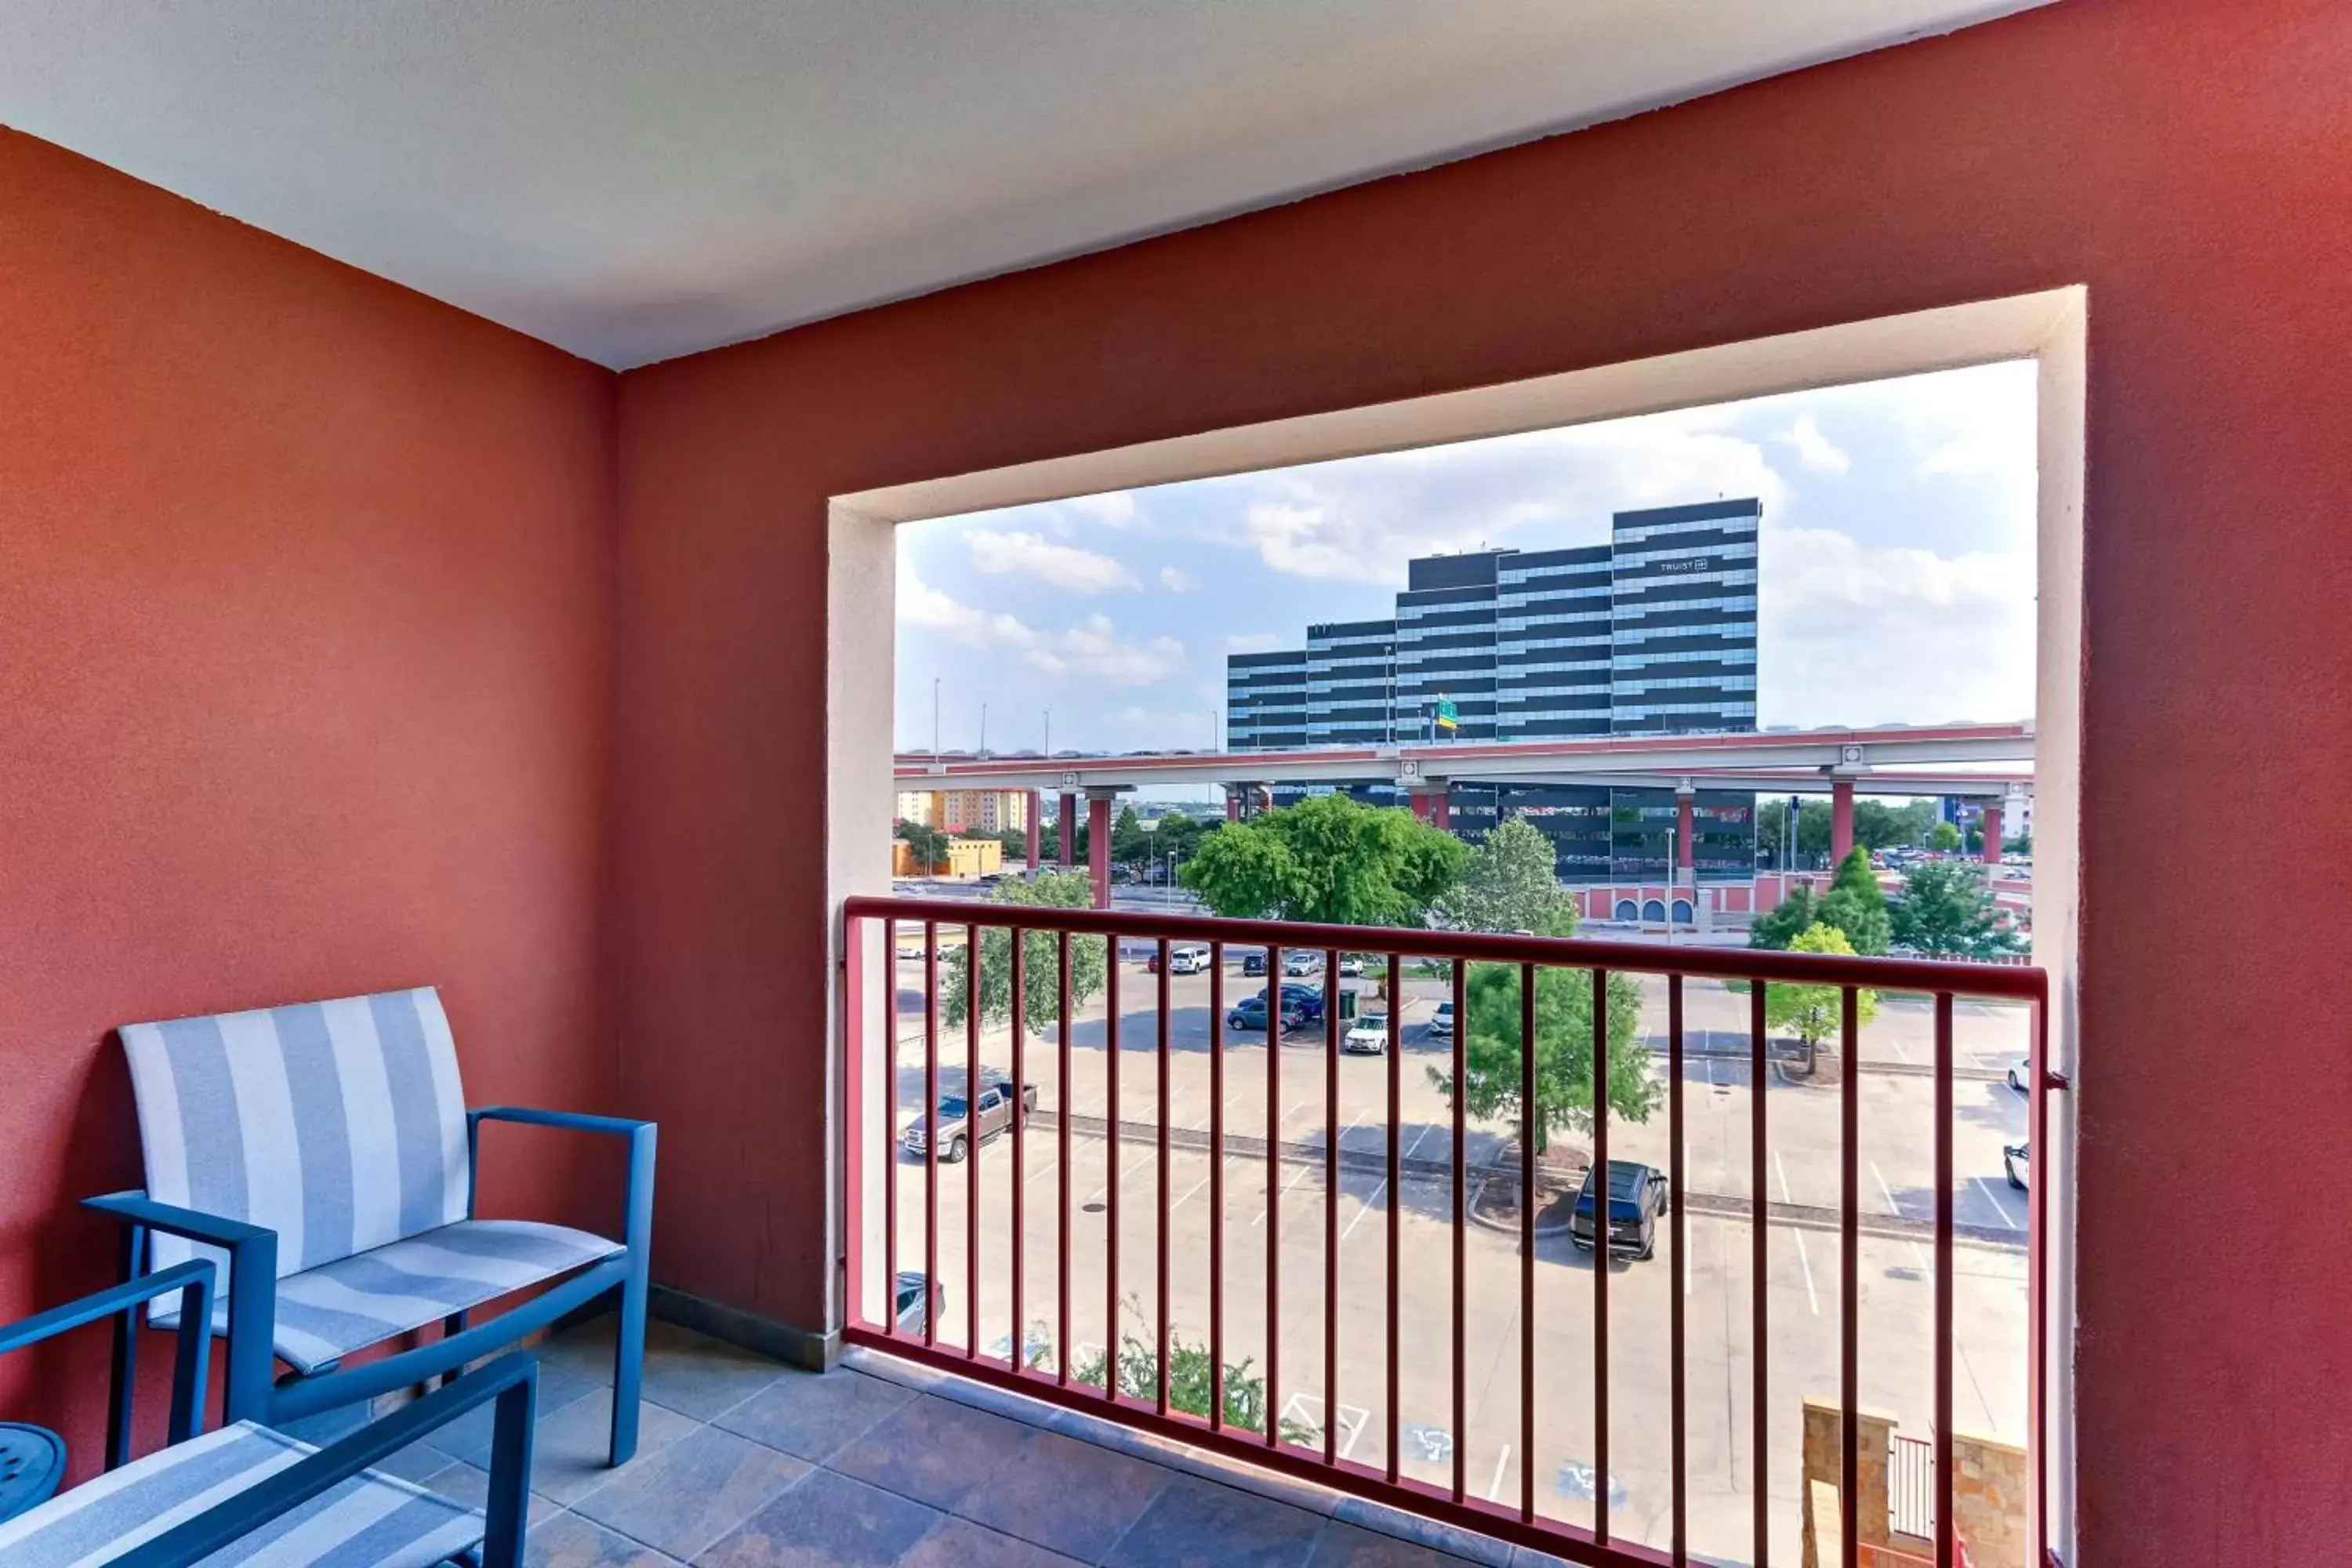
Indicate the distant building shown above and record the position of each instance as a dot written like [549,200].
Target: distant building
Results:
[1653,633]
[966,810]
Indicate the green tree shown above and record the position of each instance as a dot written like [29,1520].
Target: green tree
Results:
[1944,838]
[1946,910]
[1015,841]
[1130,843]
[1855,905]
[1878,826]
[1510,882]
[927,845]
[1813,1012]
[1178,835]
[1492,1073]
[1041,958]
[1329,858]
[1190,1386]
[1781,924]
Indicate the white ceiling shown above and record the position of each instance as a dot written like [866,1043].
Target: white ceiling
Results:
[636,179]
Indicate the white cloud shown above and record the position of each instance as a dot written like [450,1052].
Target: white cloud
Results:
[1813,449]
[1116,509]
[1363,520]
[1093,648]
[1064,566]
[1177,581]
[1855,634]
[1252,642]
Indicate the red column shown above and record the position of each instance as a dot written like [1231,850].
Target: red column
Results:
[1069,825]
[1233,804]
[1992,832]
[1423,804]
[1440,809]
[1098,846]
[1841,820]
[1035,801]
[1682,834]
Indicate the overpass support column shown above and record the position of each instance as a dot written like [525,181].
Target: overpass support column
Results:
[1233,804]
[1684,860]
[1034,804]
[1841,820]
[1431,803]
[1068,821]
[1992,832]
[1099,804]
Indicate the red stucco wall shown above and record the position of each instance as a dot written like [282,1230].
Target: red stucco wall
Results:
[305,592]
[2191,162]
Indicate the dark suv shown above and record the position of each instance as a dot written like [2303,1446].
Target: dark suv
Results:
[1637,1196]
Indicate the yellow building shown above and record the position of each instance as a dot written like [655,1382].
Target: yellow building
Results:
[966,810]
[967,857]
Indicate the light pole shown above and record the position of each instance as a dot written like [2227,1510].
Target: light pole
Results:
[983,729]
[1049,732]
[935,718]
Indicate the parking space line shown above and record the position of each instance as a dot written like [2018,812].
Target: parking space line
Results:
[1180,1203]
[1142,1161]
[1365,1209]
[1887,1193]
[1998,1207]
[1900,1054]
[1294,1179]
[1806,1259]
[1502,1460]
[1426,1129]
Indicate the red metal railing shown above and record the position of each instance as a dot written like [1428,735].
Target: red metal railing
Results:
[1454,1501]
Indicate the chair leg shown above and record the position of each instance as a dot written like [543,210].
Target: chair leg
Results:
[455,1324]
[628,1361]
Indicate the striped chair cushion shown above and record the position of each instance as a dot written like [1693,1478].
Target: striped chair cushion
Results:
[339,1125]
[327,1313]
[372,1521]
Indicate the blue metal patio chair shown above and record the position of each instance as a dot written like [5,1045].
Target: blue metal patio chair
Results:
[323,1154]
[252,1495]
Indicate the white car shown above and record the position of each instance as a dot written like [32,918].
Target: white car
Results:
[2020,1075]
[1368,1036]
[1441,1023]
[1188,961]
[1351,966]
[1301,962]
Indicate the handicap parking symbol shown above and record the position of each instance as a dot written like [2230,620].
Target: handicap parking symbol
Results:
[1583,1482]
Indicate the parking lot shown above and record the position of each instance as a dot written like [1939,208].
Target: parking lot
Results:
[1284,1202]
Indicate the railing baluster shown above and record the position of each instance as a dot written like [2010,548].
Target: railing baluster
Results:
[1944,1531]
[2037,1254]
[978,1132]
[1395,973]
[1760,1236]
[1677,1376]
[1273,1194]
[932,1132]
[1461,1252]
[1603,1217]
[1065,1108]
[891,1129]
[1217,1187]
[1160,1228]
[1530,1123]
[1111,1021]
[1019,1254]
[1849,1275]
[853,1181]
[1331,1204]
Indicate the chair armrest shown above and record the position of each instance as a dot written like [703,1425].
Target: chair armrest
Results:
[638,1200]
[512,1381]
[252,1293]
[193,1281]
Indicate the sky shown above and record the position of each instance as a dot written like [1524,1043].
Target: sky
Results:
[1895,569]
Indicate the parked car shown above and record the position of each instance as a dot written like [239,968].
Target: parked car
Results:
[2020,1075]
[1351,966]
[996,1079]
[1188,960]
[1301,1006]
[1368,1036]
[907,1304]
[1441,1023]
[1302,961]
[954,1123]
[2017,1162]
[1253,963]
[1637,1196]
